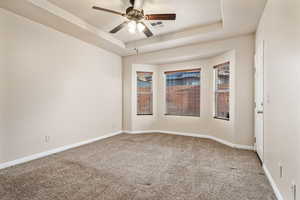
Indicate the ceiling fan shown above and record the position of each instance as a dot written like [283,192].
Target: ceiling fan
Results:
[135,15]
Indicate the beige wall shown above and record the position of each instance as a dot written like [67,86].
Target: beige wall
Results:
[56,86]
[2,88]
[225,129]
[205,124]
[240,52]
[147,122]
[185,124]
[280,29]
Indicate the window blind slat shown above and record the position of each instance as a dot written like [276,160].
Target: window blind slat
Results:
[185,70]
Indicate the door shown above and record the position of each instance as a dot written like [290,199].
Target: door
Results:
[259,101]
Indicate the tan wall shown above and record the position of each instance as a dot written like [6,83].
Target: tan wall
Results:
[2,88]
[205,124]
[147,122]
[280,29]
[240,53]
[186,124]
[57,86]
[225,129]
[127,87]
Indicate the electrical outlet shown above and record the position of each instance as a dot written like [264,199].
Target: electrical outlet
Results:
[47,138]
[280,170]
[294,191]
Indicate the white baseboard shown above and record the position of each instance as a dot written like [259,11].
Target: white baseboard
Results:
[141,132]
[67,147]
[237,146]
[53,151]
[272,182]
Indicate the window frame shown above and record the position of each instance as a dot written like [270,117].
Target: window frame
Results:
[215,91]
[164,73]
[152,94]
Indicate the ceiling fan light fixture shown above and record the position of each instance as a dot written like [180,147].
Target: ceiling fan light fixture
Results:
[140,27]
[132,30]
[132,25]
[135,16]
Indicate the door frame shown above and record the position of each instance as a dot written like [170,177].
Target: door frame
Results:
[260,60]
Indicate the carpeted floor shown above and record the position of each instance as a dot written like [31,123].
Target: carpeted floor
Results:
[140,167]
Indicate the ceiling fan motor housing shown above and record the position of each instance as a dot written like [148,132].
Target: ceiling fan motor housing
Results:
[134,14]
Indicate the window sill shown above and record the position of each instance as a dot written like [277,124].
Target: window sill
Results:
[220,118]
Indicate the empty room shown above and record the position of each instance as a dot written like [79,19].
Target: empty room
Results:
[149,100]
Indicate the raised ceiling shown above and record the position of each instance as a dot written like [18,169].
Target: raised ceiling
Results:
[190,13]
[197,21]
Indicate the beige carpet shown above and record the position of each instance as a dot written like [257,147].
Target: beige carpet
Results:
[140,167]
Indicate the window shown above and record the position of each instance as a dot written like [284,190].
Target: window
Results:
[183,92]
[144,93]
[222,77]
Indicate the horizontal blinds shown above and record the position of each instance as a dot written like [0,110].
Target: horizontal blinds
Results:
[185,70]
[183,92]
[142,73]
[144,93]
[222,65]
[222,90]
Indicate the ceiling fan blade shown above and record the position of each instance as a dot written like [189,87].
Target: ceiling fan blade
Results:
[108,10]
[147,31]
[161,17]
[138,4]
[119,27]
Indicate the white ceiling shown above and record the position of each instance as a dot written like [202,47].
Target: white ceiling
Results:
[190,13]
[197,21]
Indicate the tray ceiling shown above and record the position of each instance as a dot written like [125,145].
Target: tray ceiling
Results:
[197,21]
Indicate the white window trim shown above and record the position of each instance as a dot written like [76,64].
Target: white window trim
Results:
[152,91]
[215,91]
[165,91]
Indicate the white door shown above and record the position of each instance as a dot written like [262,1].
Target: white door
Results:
[259,101]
